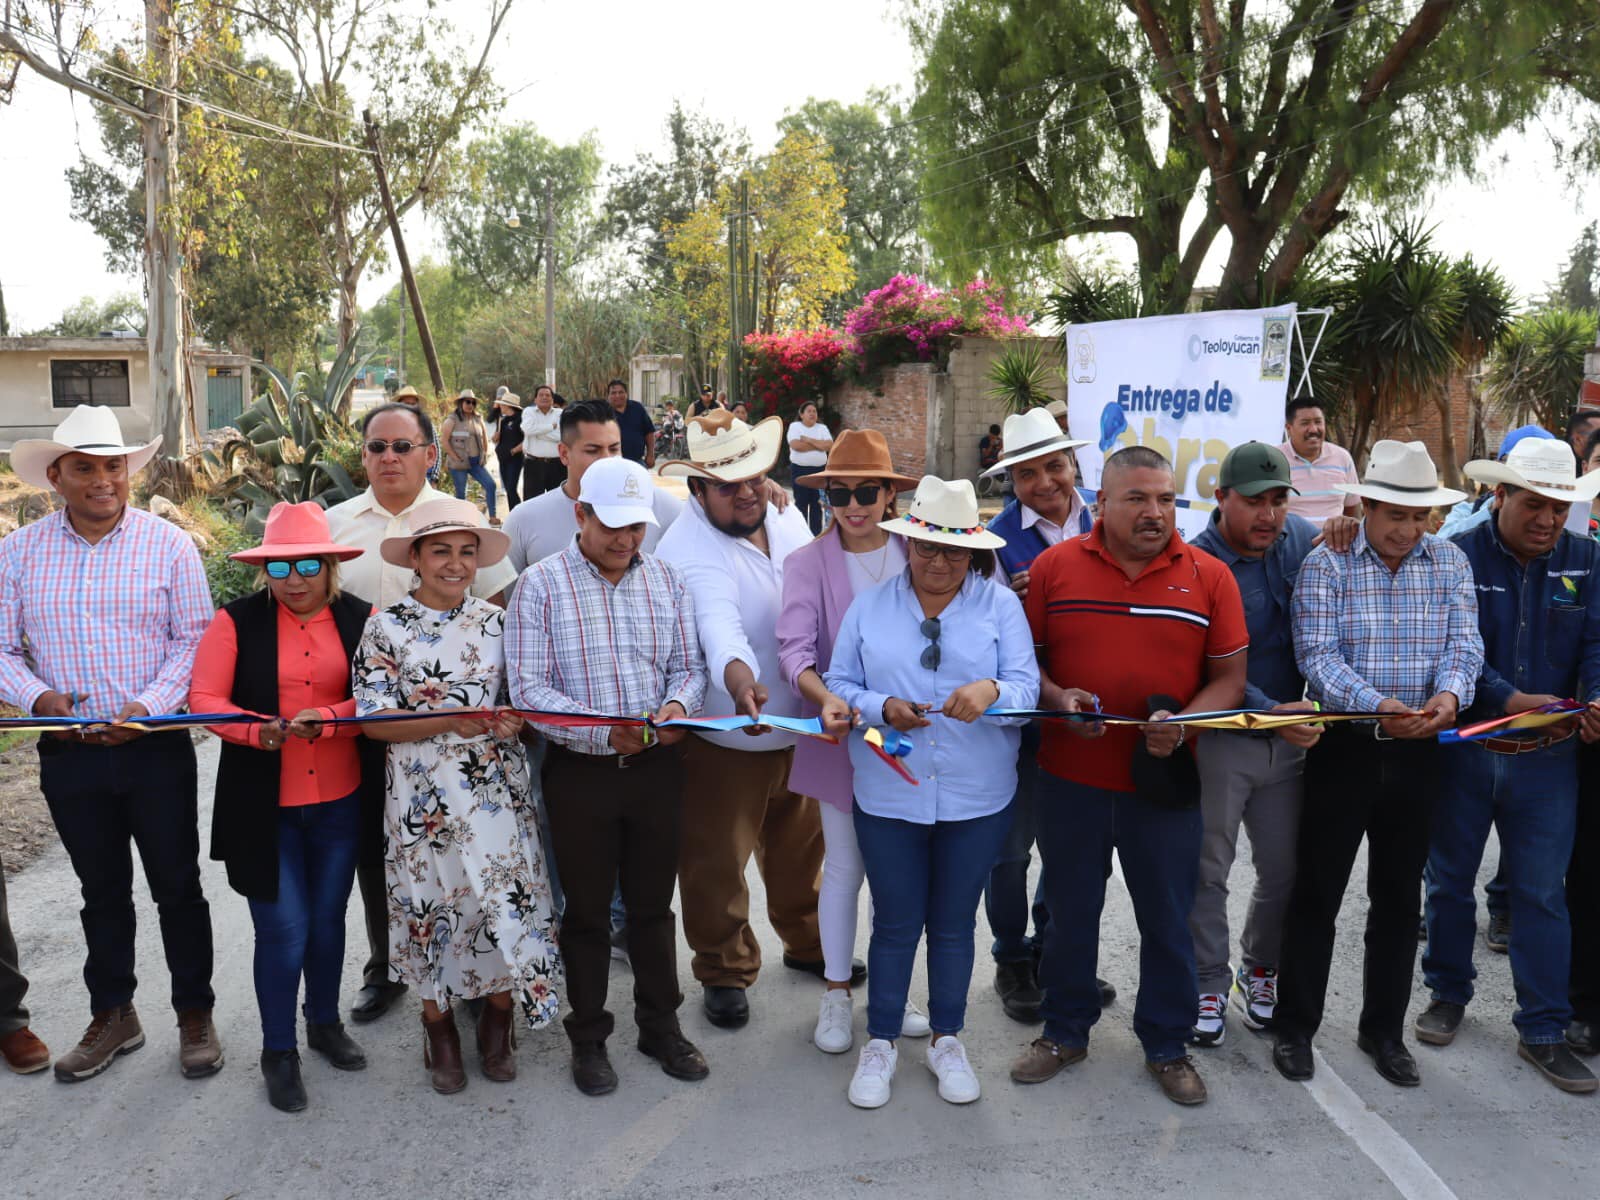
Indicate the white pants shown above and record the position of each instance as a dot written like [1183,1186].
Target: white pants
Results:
[838,899]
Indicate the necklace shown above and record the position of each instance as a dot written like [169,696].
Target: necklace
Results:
[882,553]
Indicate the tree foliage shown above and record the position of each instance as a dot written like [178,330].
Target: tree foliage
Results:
[1537,370]
[1045,119]
[88,317]
[1578,284]
[451,301]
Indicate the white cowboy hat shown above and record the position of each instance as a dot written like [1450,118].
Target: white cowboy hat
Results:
[1543,466]
[620,492]
[88,429]
[1029,435]
[1402,473]
[724,448]
[446,516]
[945,512]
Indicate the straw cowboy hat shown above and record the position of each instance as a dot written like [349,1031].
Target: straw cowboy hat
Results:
[724,448]
[945,511]
[446,516]
[1544,467]
[88,429]
[1402,473]
[861,453]
[406,393]
[297,531]
[1029,435]
[510,399]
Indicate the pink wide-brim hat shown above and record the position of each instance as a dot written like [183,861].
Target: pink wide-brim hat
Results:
[297,531]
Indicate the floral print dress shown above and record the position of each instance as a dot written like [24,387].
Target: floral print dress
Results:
[470,907]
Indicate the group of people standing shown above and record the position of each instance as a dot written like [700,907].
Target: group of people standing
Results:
[420,684]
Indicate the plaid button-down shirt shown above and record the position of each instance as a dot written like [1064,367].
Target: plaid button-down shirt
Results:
[576,643]
[1363,633]
[117,621]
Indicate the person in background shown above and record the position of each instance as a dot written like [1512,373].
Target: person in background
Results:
[1318,467]
[397,447]
[703,403]
[22,1049]
[941,632]
[470,907]
[1390,627]
[101,608]
[638,430]
[989,449]
[507,438]
[722,401]
[741,412]
[1058,413]
[1581,426]
[287,816]
[809,443]
[1591,462]
[1541,644]
[542,468]
[466,444]
[820,579]
[412,399]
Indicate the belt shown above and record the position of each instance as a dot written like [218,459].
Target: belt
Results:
[620,762]
[1523,745]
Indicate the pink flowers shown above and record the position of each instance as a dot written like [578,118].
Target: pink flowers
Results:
[907,320]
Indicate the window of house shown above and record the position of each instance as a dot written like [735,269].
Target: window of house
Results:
[89,381]
[649,387]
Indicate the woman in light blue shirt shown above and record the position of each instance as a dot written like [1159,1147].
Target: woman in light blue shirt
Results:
[927,653]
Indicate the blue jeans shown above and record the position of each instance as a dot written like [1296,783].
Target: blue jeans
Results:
[809,501]
[1159,849]
[1005,895]
[924,877]
[1532,799]
[302,932]
[476,469]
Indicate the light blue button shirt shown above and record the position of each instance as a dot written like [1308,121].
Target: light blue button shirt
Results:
[965,771]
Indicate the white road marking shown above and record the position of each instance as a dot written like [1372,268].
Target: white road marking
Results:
[1412,1177]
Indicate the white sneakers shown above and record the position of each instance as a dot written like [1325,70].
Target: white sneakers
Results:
[1210,1026]
[915,1022]
[1256,991]
[833,1035]
[947,1058]
[874,1072]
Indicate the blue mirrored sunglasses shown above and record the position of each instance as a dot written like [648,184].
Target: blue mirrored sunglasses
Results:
[306,568]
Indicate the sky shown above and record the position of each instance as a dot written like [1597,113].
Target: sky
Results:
[616,67]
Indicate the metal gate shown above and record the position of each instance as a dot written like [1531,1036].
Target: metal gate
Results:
[224,396]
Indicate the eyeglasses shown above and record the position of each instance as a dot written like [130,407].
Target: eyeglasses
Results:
[930,654]
[732,489]
[928,550]
[864,494]
[306,568]
[378,446]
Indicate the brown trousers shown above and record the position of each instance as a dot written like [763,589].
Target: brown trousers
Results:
[737,803]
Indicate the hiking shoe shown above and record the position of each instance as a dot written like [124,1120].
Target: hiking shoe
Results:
[1498,935]
[869,1088]
[1179,1080]
[915,1022]
[1211,1026]
[1044,1058]
[112,1032]
[1557,1063]
[832,1035]
[958,1083]
[199,1048]
[1437,1024]
[1255,989]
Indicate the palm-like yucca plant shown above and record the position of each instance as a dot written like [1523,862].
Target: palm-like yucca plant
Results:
[1537,370]
[1021,377]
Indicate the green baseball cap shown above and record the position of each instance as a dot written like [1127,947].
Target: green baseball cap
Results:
[1253,468]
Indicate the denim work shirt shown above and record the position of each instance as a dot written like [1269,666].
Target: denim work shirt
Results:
[1540,622]
[965,771]
[1273,677]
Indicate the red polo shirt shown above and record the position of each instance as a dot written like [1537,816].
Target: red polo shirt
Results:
[1126,640]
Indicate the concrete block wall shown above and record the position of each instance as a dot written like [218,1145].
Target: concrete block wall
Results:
[897,408]
[973,409]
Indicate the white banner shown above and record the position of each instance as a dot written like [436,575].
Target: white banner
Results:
[1191,386]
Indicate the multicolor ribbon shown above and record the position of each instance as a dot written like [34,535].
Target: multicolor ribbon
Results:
[1534,718]
[1228,718]
[890,745]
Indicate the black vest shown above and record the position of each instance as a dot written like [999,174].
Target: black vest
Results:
[244,818]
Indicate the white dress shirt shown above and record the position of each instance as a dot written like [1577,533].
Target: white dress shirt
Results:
[737,592]
[363,523]
[541,432]
[546,524]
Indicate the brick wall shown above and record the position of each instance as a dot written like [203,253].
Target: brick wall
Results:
[897,408]
[1425,425]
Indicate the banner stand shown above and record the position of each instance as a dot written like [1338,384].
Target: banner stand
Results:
[1300,339]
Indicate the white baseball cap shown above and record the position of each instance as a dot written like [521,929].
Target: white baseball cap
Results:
[620,492]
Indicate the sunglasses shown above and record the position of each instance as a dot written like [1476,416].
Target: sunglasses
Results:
[863,494]
[400,446]
[732,489]
[306,568]
[930,654]
[930,550]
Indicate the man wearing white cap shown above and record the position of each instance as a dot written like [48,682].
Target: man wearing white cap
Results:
[730,543]
[603,627]
[1046,506]
[101,609]
[1390,627]
[1539,614]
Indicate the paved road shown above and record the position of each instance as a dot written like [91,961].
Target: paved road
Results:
[772,1120]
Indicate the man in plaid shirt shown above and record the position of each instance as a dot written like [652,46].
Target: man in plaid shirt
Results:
[110,603]
[1392,626]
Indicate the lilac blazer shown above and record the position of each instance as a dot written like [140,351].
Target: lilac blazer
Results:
[816,593]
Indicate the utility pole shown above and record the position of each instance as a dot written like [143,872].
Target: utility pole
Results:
[400,303]
[550,283]
[424,334]
[163,261]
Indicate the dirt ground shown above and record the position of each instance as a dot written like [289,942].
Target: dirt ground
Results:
[25,828]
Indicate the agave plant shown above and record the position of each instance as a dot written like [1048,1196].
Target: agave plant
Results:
[1021,378]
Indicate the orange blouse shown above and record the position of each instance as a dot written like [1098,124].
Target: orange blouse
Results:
[313,672]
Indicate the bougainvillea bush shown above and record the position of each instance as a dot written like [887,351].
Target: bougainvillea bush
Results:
[907,320]
[787,368]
